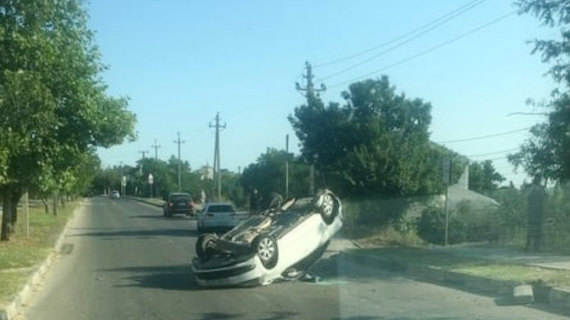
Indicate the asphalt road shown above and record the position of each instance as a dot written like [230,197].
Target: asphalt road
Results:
[123,260]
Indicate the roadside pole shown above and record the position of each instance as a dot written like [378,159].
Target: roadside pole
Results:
[150,183]
[27,211]
[123,185]
[446,179]
[287,167]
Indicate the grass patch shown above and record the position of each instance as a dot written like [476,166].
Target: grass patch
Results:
[20,255]
[474,266]
[383,237]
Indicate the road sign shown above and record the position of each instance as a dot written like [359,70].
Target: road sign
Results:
[124,181]
[150,179]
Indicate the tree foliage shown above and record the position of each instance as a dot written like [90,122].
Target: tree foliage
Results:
[547,153]
[376,143]
[54,109]
[483,177]
[267,174]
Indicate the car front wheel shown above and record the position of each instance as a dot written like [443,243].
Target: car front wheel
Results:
[327,205]
[266,249]
[205,245]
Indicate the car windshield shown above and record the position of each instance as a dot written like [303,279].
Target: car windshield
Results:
[178,198]
[148,151]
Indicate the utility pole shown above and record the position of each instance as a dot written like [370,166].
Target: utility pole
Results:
[310,94]
[217,173]
[179,142]
[310,90]
[287,166]
[143,152]
[155,146]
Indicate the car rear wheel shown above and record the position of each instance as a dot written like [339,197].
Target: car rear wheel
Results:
[205,245]
[266,250]
[327,206]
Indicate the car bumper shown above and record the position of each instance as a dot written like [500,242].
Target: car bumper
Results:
[241,273]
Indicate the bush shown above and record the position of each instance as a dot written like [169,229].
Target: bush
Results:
[431,227]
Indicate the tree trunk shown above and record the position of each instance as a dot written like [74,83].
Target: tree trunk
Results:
[62,199]
[46,205]
[15,195]
[54,204]
[5,235]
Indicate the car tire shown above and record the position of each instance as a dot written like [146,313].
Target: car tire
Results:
[327,205]
[265,247]
[204,245]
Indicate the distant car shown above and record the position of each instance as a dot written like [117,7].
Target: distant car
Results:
[178,203]
[115,194]
[281,243]
[217,216]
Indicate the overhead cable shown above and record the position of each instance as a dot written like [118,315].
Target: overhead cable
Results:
[402,43]
[422,53]
[485,137]
[468,5]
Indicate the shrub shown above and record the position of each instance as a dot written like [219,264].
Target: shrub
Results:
[431,227]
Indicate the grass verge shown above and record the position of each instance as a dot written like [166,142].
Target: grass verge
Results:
[474,266]
[20,255]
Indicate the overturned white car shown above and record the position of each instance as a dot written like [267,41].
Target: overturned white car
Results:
[281,243]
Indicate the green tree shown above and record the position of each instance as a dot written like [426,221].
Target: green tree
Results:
[267,174]
[547,153]
[377,143]
[53,106]
[483,177]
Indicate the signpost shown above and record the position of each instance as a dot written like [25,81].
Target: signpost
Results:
[446,179]
[150,183]
[123,185]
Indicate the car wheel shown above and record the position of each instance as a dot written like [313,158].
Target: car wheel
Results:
[266,249]
[205,245]
[327,206]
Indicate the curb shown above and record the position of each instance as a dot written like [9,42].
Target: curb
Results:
[558,298]
[23,297]
[144,202]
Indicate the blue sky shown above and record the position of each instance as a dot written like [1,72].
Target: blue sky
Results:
[181,62]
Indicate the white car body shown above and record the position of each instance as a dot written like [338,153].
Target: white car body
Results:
[212,217]
[301,238]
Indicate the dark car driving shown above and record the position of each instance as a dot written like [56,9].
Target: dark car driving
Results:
[178,203]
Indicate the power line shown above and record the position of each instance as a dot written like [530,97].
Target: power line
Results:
[398,38]
[491,153]
[422,53]
[398,45]
[485,137]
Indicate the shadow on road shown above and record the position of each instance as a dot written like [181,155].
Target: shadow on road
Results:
[142,233]
[340,268]
[221,315]
[157,217]
[177,277]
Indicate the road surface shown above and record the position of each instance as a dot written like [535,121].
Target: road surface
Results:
[122,260]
